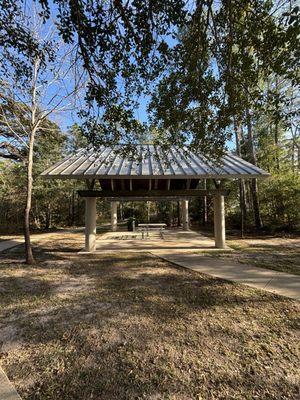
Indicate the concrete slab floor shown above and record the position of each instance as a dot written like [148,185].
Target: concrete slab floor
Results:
[171,239]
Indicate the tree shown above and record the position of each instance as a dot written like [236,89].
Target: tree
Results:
[215,78]
[51,200]
[76,140]
[31,95]
[215,70]
[122,46]
[210,56]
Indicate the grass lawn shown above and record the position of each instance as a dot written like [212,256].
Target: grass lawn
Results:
[131,326]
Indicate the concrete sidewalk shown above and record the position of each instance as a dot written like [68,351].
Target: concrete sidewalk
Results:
[7,390]
[287,285]
[8,244]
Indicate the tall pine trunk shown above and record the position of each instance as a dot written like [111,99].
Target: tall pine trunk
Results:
[32,132]
[242,186]
[276,142]
[276,129]
[28,248]
[254,186]
[204,215]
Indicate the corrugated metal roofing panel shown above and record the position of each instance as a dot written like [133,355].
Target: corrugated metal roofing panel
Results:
[151,161]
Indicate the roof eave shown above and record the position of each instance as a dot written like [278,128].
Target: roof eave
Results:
[208,176]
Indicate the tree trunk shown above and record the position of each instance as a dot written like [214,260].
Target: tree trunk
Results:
[276,131]
[48,217]
[254,187]
[36,216]
[121,211]
[148,212]
[71,220]
[78,212]
[178,213]
[204,215]
[276,142]
[28,248]
[256,209]
[34,126]
[170,213]
[242,188]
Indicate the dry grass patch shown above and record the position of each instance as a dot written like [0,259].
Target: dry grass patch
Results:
[131,326]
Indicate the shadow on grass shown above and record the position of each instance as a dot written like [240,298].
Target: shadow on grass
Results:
[134,286]
[18,289]
[133,326]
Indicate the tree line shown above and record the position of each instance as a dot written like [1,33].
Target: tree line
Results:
[56,203]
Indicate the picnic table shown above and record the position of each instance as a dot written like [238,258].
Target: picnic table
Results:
[153,227]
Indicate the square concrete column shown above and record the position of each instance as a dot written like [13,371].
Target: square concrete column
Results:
[90,223]
[185,214]
[219,221]
[114,215]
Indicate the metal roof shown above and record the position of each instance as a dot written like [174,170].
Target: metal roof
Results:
[150,162]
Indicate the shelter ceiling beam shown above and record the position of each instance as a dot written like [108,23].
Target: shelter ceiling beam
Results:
[156,199]
[145,194]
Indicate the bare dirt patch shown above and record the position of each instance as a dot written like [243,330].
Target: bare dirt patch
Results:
[131,326]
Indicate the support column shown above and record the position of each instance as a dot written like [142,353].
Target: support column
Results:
[185,214]
[114,215]
[219,221]
[90,223]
